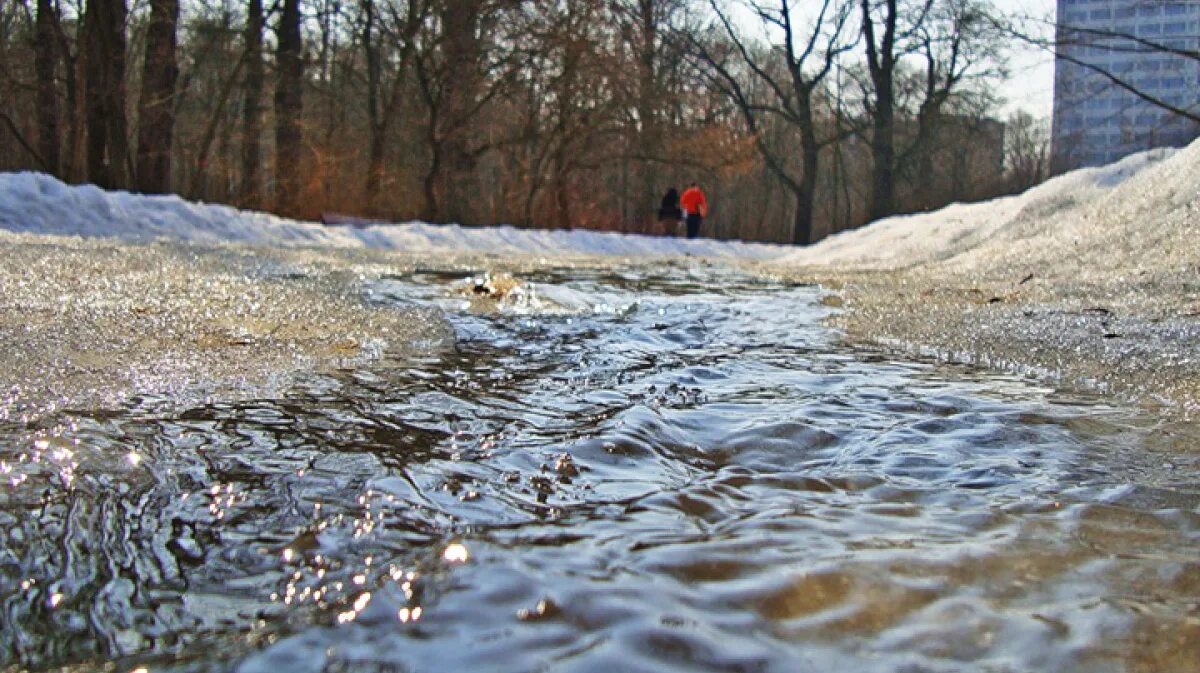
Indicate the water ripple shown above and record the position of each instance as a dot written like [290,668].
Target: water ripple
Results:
[636,472]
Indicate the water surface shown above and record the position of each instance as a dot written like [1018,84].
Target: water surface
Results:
[632,469]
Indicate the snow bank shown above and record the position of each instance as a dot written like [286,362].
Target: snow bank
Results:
[1143,207]
[910,240]
[40,204]
[1145,227]
[37,203]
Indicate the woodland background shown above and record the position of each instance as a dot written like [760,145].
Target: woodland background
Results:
[799,119]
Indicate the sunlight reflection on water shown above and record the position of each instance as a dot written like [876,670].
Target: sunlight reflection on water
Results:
[642,471]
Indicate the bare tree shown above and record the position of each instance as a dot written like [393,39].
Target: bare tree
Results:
[45,50]
[104,76]
[156,111]
[880,24]
[466,66]
[563,113]
[250,191]
[645,27]
[791,95]
[398,29]
[1027,150]
[453,95]
[958,45]
[289,108]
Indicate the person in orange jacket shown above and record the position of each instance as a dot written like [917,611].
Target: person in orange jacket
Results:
[695,207]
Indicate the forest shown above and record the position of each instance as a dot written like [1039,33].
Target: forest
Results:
[799,119]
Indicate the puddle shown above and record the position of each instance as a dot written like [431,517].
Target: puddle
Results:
[632,469]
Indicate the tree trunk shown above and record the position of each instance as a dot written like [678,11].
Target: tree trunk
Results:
[94,99]
[118,140]
[156,116]
[375,157]
[374,114]
[461,80]
[72,160]
[883,157]
[651,131]
[881,62]
[289,107]
[431,211]
[927,182]
[562,193]
[198,188]
[250,191]
[45,65]
[104,57]
[810,157]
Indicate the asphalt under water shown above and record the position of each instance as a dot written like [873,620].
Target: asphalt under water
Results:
[630,469]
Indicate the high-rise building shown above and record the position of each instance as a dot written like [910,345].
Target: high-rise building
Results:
[1136,43]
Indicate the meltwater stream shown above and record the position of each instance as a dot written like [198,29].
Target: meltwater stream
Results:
[630,469]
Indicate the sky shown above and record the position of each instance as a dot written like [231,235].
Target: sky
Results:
[1030,86]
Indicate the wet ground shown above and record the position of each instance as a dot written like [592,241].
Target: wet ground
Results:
[632,469]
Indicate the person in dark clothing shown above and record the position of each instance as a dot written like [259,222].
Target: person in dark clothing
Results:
[669,214]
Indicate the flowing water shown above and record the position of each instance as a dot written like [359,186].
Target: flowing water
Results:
[632,469]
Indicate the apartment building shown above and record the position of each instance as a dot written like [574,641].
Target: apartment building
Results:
[1096,120]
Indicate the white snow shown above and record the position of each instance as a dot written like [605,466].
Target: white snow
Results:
[911,240]
[38,203]
[1086,210]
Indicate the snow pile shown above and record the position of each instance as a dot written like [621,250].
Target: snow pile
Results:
[1146,226]
[40,204]
[1140,208]
[910,240]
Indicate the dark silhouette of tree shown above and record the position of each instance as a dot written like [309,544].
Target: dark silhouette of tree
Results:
[104,100]
[805,60]
[45,48]
[251,189]
[156,111]
[289,110]
[388,37]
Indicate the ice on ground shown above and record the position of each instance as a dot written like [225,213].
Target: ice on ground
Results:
[90,323]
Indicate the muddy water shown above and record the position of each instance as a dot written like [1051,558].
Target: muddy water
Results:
[620,470]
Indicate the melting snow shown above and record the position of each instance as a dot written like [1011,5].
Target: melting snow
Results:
[1067,212]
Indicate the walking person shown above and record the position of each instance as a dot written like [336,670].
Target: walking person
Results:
[695,207]
[669,213]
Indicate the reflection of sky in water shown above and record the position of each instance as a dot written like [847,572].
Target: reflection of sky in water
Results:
[649,471]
